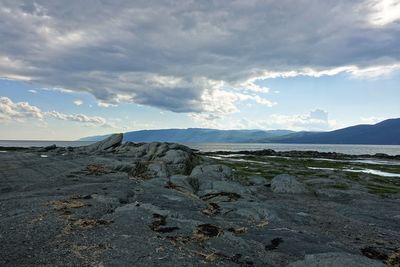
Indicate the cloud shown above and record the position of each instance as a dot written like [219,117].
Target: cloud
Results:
[17,111]
[316,120]
[175,54]
[372,119]
[32,91]
[78,102]
[20,111]
[77,118]
[386,11]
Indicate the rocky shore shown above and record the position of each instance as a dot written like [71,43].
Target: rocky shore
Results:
[163,204]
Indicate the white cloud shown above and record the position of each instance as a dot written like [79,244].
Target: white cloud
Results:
[372,119]
[357,72]
[32,91]
[77,118]
[78,102]
[316,120]
[385,12]
[57,89]
[20,111]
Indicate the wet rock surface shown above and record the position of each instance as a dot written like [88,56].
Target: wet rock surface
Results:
[162,204]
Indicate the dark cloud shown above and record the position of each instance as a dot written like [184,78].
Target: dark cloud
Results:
[168,54]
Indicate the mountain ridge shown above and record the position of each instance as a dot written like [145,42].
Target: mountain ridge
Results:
[386,132]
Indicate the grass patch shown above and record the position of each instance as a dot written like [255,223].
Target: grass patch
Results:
[341,186]
[382,189]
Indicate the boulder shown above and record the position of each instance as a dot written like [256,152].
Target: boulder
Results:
[110,142]
[333,259]
[287,184]
[257,180]
[222,186]
[151,160]
[213,172]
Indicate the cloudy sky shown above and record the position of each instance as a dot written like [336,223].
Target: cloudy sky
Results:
[75,68]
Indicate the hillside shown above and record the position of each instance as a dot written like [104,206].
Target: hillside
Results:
[384,133]
[198,135]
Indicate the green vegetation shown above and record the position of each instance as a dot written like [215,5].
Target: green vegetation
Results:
[340,186]
[269,167]
[382,189]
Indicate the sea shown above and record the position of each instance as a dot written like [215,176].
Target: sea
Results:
[210,147]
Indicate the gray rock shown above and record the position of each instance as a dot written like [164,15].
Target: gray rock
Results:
[335,259]
[337,193]
[110,142]
[222,186]
[215,172]
[159,159]
[320,181]
[257,180]
[287,184]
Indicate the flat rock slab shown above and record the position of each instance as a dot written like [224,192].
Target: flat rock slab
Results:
[335,260]
[287,184]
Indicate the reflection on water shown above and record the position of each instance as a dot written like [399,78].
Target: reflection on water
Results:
[375,172]
[369,171]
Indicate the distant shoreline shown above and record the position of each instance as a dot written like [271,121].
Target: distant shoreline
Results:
[329,151]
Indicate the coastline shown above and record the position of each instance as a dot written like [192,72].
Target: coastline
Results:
[111,204]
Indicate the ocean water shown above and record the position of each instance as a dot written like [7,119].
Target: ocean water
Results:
[28,143]
[346,149]
[209,147]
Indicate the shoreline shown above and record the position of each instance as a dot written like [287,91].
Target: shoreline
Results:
[152,204]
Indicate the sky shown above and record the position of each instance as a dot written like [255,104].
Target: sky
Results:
[70,69]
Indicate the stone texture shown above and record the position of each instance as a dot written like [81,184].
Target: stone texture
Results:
[110,142]
[335,259]
[287,184]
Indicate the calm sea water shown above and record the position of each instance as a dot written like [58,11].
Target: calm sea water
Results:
[347,149]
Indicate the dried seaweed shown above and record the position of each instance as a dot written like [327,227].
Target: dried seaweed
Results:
[231,197]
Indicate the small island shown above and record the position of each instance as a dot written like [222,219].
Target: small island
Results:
[164,204]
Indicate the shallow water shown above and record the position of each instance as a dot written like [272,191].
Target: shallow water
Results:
[375,172]
[345,149]
[369,171]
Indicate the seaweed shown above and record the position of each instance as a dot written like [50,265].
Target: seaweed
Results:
[158,222]
[231,197]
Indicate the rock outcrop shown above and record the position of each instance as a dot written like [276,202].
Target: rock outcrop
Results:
[151,160]
[336,259]
[110,142]
[163,204]
[287,184]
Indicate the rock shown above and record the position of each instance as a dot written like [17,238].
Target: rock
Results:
[47,148]
[214,172]
[52,147]
[257,180]
[320,181]
[332,193]
[110,142]
[333,259]
[159,159]
[222,186]
[287,184]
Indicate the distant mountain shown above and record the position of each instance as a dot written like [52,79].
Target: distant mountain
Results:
[384,133]
[198,135]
